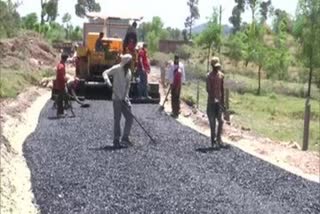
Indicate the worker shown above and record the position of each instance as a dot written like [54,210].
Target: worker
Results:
[131,35]
[60,84]
[143,69]
[99,44]
[215,104]
[176,77]
[121,74]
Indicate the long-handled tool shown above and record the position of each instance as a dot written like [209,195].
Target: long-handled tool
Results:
[161,108]
[126,105]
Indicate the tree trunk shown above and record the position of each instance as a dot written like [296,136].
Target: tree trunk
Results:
[259,80]
[42,13]
[208,63]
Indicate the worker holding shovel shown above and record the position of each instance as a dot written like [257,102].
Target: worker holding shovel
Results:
[176,76]
[121,74]
[215,103]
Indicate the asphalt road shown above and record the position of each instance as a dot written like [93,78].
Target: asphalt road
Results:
[73,173]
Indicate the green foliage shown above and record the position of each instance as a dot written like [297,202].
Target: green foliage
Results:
[184,52]
[174,33]
[236,47]
[189,100]
[30,21]
[235,19]
[9,19]
[265,9]
[194,15]
[152,32]
[284,19]
[49,10]
[84,6]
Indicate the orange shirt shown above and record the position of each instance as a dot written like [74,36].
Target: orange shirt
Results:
[60,76]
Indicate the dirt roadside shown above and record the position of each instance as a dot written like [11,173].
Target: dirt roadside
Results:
[282,154]
[19,119]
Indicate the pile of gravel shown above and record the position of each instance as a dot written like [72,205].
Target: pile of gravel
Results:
[72,173]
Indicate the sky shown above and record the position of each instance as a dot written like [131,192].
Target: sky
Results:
[172,12]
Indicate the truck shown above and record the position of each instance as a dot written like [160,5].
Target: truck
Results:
[91,64]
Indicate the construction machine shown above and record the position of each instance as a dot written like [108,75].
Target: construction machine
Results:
[91,63]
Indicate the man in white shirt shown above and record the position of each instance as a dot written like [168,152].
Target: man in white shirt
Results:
[176,76]
[121,74]
[174,65]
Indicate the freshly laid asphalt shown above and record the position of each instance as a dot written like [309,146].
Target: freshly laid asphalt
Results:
[73,172]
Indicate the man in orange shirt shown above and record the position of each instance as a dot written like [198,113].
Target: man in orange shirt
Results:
[60,84]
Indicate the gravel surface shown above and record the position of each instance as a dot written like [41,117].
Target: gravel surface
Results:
[73,173]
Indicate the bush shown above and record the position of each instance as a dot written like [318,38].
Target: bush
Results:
[184,52]
[189,100]
[159,58]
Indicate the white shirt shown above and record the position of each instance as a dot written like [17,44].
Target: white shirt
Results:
[121,83]
[171,70]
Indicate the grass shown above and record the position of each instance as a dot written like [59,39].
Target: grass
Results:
[276,116]
[14,82]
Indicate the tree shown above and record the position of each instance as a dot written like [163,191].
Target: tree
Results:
[194,15]
[49,10]
[152,32]
[66,21]
[236,47]
[84,6]
[185,35]
[235,19]
[9,18]
[284,18]
[308,13]
[211,35]
[265,9]
[29,21]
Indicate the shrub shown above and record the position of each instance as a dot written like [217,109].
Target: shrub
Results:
[184,51]
[189,100]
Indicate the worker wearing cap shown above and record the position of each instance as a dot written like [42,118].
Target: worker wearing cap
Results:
[121,74]
[176,76]
[60,84]
[215,105]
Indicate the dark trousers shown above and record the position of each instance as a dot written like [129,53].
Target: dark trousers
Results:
[214,112]
[143,84]
[175,100]
[60,100]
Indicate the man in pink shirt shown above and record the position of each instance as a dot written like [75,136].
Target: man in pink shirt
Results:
[143,70]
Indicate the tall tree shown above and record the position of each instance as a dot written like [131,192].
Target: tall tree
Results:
[308,13]
[66,21]
[265,9]
[194,15]
[211,35]
[84,6]
[9,18]
[235,19]
[29,21]
[49,10]
[282,17]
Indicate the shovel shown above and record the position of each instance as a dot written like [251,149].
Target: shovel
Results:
[161,108]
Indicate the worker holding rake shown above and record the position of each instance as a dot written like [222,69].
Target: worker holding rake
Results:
[121,74]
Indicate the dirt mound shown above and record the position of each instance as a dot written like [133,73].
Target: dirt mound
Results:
[29,51]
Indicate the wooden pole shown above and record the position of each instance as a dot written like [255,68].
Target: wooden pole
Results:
[198,93]
[305,144]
